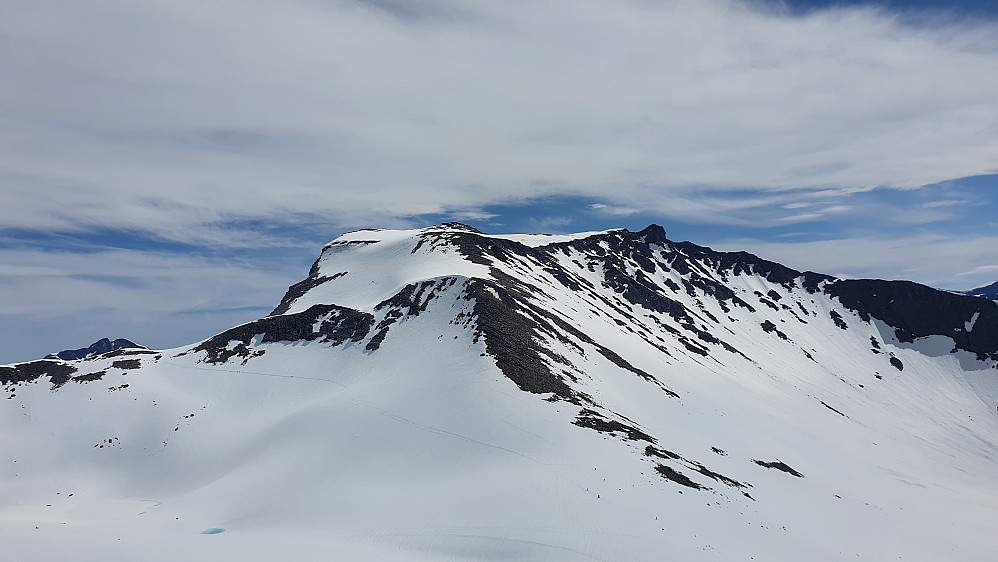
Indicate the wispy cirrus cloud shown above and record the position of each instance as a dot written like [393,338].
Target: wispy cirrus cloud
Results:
[48,283]
[53,300]
[945,203]
[176,117]
[605,210]
[983,269]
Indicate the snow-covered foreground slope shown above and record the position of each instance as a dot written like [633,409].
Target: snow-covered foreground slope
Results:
[442,394]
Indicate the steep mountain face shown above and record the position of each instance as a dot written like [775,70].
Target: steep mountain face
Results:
[445,394]
[99,347]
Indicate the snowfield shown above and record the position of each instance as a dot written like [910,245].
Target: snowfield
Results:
[441,394]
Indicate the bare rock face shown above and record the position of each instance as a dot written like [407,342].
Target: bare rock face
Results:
[99,347]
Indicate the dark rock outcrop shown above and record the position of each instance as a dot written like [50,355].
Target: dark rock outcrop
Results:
[916,311]
[336,325]
[99,347]
[779,465]
[57,372]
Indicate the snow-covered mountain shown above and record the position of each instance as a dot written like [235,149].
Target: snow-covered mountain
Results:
[445,394]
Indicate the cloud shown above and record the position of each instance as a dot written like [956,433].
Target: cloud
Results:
[233,128]
[54,300]
[471,215]
[550,224]
[803,217]
[984,269]
[945,203]
[612,210]
[178,118]
[808,217]
[46,283]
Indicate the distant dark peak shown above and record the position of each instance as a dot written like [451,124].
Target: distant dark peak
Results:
[654,234]
[100,346]
[987,291]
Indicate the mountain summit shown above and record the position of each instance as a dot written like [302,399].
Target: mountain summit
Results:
[99,347]
[443,393]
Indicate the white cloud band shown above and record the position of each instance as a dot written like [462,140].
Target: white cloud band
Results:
[172,117]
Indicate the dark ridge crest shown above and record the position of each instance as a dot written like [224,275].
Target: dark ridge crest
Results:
[916,311]
[341,325]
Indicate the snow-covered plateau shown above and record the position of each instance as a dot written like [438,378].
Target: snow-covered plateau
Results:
[442,394]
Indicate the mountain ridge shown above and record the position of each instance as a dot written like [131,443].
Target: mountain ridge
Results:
[614,371]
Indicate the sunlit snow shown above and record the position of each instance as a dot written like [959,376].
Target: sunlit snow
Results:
[422,448]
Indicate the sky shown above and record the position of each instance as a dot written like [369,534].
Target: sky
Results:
[169,167]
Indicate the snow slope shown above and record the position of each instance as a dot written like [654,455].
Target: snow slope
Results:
[442,394]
